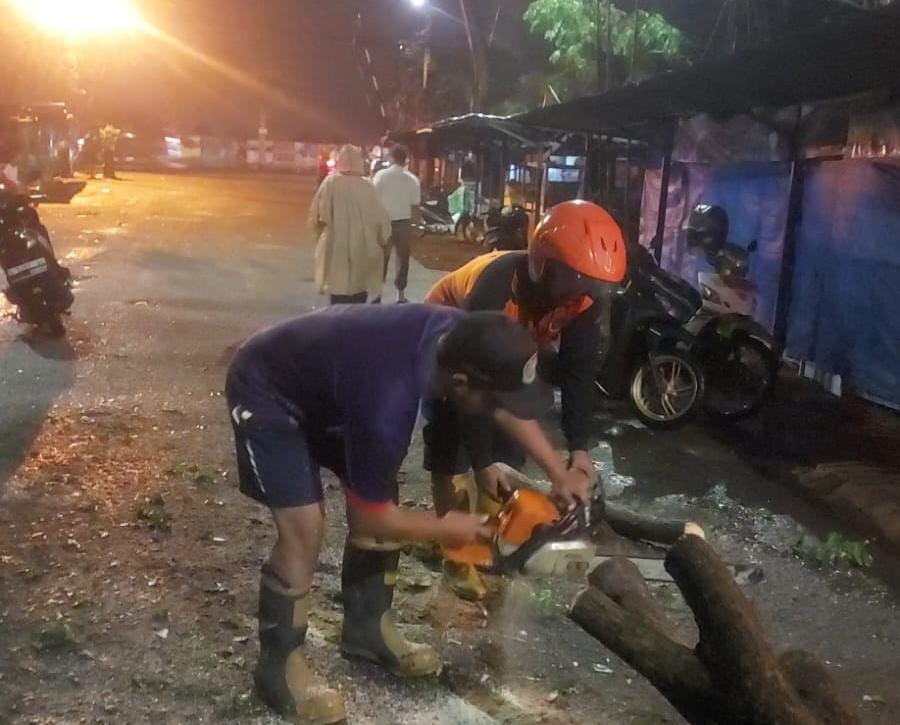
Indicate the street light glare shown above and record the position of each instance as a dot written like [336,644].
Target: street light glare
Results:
[80,18]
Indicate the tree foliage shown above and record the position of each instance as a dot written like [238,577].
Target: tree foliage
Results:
[582,31]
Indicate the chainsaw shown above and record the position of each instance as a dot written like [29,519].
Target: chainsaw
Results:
[533,539]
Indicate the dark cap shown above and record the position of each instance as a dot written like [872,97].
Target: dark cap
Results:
[499,355]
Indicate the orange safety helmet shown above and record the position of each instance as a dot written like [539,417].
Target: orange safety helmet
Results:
[583,237]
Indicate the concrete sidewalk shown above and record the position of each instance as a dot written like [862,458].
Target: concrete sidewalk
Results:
[420,281]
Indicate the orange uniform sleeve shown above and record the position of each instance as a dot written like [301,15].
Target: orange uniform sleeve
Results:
[453,289]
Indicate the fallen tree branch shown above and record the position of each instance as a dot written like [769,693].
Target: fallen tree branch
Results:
[733,676]
[670,667]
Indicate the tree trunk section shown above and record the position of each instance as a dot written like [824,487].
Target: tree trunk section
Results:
[816,688]
[671,668]
[732,641]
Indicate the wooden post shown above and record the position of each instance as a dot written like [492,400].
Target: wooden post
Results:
[668,148]
[789,249]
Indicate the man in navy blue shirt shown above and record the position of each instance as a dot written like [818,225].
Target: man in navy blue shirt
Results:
[343,388]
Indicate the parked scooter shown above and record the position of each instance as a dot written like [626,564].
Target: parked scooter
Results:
[649,358]
[436,217]
[34,281]
[507,230]
[738,355]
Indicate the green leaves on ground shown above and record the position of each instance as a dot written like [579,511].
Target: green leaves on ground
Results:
[836,551]
[152,514]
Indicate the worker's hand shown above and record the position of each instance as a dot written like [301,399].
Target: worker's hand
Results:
[582,461]
[573,486]
[457,529]
[493,482]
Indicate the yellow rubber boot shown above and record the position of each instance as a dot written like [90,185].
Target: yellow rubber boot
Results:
[458,493]
[369,631]
[453,493]
[282,678]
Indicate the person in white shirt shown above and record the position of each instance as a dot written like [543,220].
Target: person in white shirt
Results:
[401,195]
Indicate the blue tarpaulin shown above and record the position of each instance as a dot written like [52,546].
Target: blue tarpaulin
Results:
[845,310]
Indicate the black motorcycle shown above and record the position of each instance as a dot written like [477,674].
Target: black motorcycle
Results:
[507,229]
[39,287]
[649,359]
[435,217]
[738,355]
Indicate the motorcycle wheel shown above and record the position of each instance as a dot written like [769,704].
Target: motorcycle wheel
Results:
[741,381]
[473,231]
[672,398]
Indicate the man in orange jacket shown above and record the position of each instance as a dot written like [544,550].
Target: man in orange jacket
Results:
[559,289]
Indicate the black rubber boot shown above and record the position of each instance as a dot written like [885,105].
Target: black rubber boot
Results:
[369,632]
[282,677]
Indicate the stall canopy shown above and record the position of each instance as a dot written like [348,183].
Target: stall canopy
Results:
[853,55]
[782,121]
[471,131]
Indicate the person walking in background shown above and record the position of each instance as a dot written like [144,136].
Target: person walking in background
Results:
[353,229]
[401,195]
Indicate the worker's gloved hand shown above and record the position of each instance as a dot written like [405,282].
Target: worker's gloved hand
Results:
[582,461]
[574,486]
[493,481]
[456,529]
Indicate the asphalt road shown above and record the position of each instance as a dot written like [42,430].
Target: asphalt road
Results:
[117,440]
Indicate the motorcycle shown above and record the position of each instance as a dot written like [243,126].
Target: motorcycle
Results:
[507,229]
[33,279]
[649,359]
[738,355]
[435,220]
[435,217]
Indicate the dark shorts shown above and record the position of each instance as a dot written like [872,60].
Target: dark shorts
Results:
[278,464]
[445,452]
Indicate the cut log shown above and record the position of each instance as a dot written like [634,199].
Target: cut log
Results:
[651,569]
[732,641]
[670,667]
[816,687]
[732,677]
[623,581]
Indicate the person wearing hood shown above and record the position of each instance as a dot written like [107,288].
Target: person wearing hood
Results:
[353,229]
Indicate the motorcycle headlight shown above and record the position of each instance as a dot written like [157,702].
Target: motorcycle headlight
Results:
[710,295]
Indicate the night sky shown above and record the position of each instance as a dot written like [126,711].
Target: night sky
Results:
[293,59]
[296,56]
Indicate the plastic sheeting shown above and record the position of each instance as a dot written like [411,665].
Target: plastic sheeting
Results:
[755,195]
[845,309]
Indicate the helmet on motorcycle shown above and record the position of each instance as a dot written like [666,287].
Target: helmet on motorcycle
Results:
[707,228]
[576,245]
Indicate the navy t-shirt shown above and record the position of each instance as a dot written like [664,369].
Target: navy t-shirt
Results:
[358,371]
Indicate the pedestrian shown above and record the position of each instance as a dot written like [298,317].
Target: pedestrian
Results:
[9,170]
[109,138]
[560,290]
[401,195]
[353,229]
[342,388]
